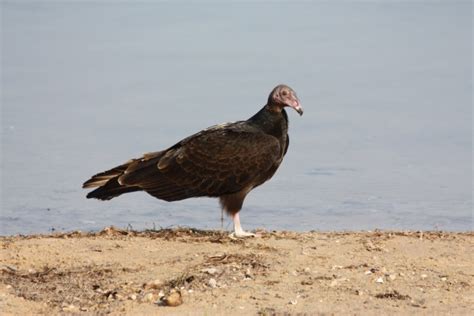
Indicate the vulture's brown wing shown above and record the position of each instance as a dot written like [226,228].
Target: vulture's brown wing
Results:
[220,160]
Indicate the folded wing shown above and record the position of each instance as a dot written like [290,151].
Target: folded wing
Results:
[220,160]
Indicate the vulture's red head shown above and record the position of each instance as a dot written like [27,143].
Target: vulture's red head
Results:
[283,96]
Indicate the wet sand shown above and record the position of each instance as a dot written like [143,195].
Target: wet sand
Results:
[206,272]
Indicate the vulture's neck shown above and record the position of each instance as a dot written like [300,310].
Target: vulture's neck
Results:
[271,122]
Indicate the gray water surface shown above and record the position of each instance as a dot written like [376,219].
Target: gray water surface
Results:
[385,141]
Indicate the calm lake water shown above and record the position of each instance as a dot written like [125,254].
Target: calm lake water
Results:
[385,141]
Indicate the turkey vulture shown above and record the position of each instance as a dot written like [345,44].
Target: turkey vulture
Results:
[225,161]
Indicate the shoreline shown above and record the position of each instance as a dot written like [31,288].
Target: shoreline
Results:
[206,272]
[176,228]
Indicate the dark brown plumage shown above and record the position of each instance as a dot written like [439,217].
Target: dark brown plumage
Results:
[225,161]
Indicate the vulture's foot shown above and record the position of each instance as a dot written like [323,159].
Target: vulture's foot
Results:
[241,234]
[238,231]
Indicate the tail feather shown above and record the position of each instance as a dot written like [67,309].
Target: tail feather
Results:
[102,178]
[110,183]
[110,190]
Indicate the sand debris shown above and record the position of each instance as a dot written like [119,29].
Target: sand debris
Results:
[394,295]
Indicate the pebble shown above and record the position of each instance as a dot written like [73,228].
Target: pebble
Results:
[70,308]
[379,280]
[210,271]
[149,297]
[424,276]
[392,277]
[444,278]
[368,272]
[133,297]
[248,274]
[212,283]
[174,299]
[293,302]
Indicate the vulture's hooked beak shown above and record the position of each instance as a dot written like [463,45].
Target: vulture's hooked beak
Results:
[295,104]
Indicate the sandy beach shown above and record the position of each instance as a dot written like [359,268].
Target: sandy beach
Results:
[193,272]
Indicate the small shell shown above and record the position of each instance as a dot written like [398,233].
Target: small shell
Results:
[174,299]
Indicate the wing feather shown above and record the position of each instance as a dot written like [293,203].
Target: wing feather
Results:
[216,161]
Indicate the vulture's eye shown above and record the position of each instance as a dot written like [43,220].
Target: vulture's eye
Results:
[284,92]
